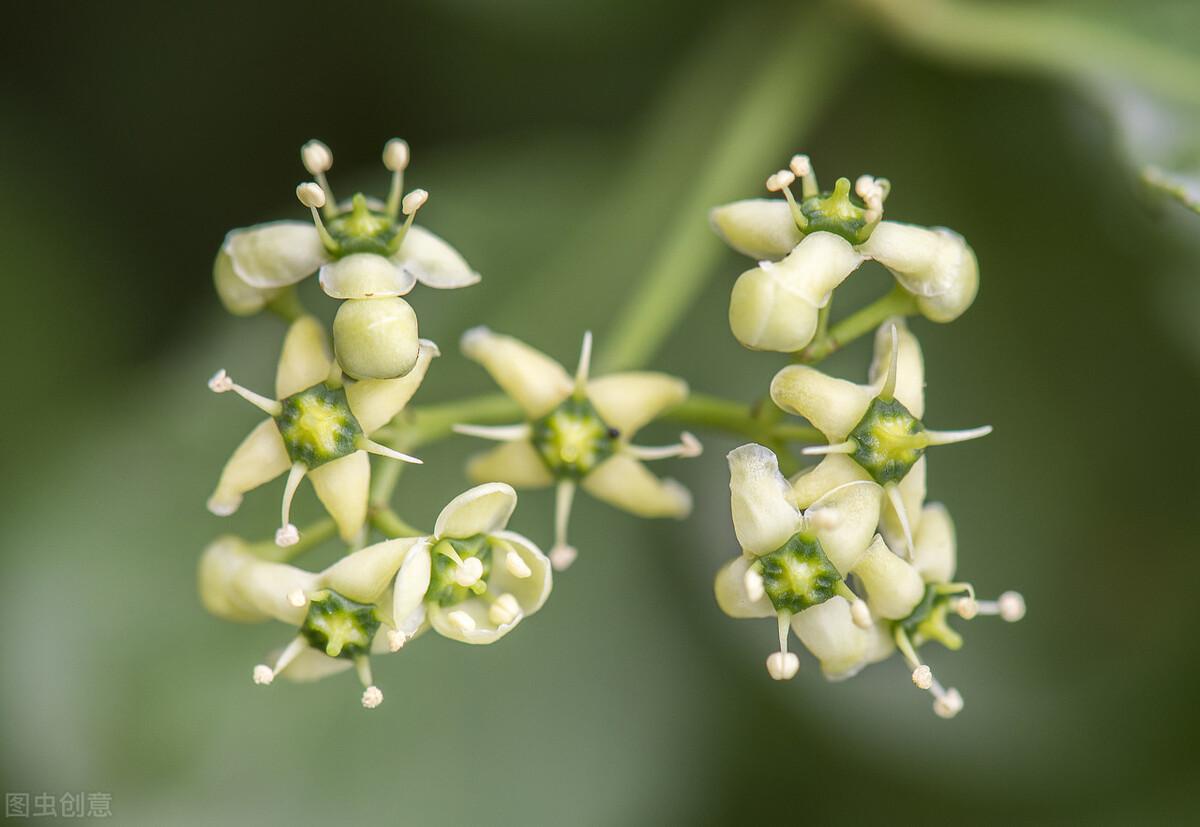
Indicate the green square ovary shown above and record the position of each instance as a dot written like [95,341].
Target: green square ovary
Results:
[798,575]
[572,439]
[888,440]
[317,426]
[338,626]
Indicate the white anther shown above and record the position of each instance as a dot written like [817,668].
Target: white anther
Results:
[754,585]
[783,666]
[689,446]
[949,704]
[1012,606]
[562,556]
[413,201]
[263,675]
[463,621]
[297,598]
[316,157]
[372,697]
[860,613]
[516,566]
[220,382]
[773,184]
[922,677]
[505,610]
[785,178]
[395,155]
[311,195]
[289,535]
[800,166]
[823,519]
[468,572]
[396,640]
[966,607]
[868,189]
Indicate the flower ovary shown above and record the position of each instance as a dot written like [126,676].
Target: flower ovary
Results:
[798,575]
[338,626]
[317,425]
[572,439]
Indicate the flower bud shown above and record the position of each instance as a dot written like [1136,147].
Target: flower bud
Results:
[774,306]
[893,586]
[757,227]
[376,338]
[935,265]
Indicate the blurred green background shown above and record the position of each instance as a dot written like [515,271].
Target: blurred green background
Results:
[566,146]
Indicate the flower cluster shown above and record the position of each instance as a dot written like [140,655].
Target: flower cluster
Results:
[847,554]
[336,404]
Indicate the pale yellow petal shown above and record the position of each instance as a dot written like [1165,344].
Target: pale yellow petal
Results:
[412,581]
[764,517]
[364,575]
[910,366]
[894,588]
[376,401]
[627,401]
[833,406]
[275,254]
[535,381]
[365,276]
[624,482]
[433,262]
[260,458]
[305,359]
[761,228]
[239,298]
[828,631]
[844,520]
[833,470]
[516,463]
[912,497]
[934,545]
[732,597]
[480,510]
[343,487]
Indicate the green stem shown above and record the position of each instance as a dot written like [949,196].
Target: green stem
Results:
[784,97]
[392,525]
[310,537]
[898,302]
[711,412]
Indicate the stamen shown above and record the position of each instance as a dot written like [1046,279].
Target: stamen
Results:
[783,665]
[297,598]
[781,182]
[468,572]
[222,383]
[499,433]
[313,197]
[872,191]
[372,447]
[317,159]
[893,494]
[753,581]
[688,446]
[263,674]
[801,166]
[372,697]
[396,640]
[505,610]
[462,620]
[1010,606]
[888,391]
[847,447]
[585,364]
[965,607]
[949,437]
[413,202]
[395,158]
[948,703]
[288,534]
[922,675]
[860,613]
[516,566]
[563,554]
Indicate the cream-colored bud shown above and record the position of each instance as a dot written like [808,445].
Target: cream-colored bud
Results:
[311,195]
[935,265]
[376,338]
[316,157]
[893,586]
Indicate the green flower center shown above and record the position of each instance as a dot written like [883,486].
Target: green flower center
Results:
[798,575]
[317,425]
[889,441]
[928,620]
[338,626]
[838,212]
[363,230]
[443,588]
[572,439]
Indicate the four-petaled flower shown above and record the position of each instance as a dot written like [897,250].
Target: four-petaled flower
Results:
[366,255]
[319,428]
[577,432]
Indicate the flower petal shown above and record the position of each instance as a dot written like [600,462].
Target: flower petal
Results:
[732,597]
[912,497]
[531,592]
[828,631]
[412,581]
[934,264]
[764,314]
[305,359]
[484,631]
[365,276]
[260,458]
[433,262]
[762,228]
[239,298]
[364,575]
[894,588]
[833,406]
[537,382]
[934,545]
[815,482]
[626,483]
[275,254]
[311,665]
[763,515]
[854,508]
[910,365]
[376,401]
[627,401]
[483,509]
[343,487]
[264,587]
[218,569]
[516,463]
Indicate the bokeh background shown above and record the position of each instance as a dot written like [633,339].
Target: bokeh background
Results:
[565,146]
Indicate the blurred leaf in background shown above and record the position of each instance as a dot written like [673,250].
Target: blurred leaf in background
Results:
[572,150]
